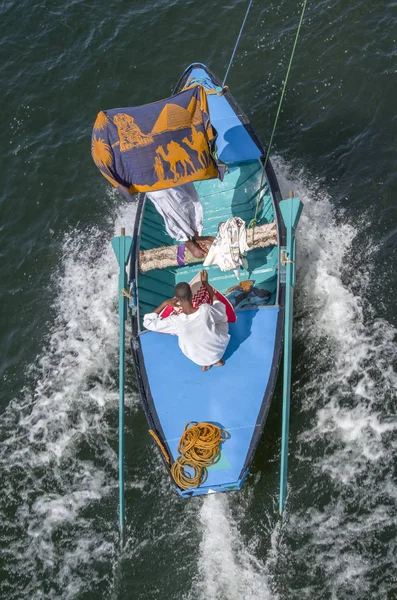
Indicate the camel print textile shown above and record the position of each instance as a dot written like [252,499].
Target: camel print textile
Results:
[157,146]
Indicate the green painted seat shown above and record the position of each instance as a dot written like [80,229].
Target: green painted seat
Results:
[235,196]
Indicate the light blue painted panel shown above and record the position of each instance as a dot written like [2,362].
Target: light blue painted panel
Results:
[236,175]
[234,143]
[231,395]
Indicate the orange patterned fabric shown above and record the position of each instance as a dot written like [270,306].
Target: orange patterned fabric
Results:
[156,146]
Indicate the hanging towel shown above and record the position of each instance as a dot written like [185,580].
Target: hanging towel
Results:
[181,210]
[230,246]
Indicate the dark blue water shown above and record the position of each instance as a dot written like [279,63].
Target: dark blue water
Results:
[335,146]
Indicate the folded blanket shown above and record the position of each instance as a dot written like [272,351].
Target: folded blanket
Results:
[172,256]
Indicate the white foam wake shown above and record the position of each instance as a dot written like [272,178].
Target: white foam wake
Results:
[228,568]
[352,382]
[346,398]
[57,451]
[342,490]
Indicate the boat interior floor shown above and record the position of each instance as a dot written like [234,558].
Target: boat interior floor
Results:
[236,196]
[182,393]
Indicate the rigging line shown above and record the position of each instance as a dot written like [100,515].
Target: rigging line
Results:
[285,82]
[236,44]
[253,221]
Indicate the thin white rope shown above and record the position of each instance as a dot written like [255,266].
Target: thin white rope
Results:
[236,44]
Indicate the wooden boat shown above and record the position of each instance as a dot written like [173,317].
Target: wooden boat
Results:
[237,396]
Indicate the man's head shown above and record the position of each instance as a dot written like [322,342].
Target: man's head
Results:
[183,292]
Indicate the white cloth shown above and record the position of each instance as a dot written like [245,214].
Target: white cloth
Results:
[202,336]
[181,210]
[229,247]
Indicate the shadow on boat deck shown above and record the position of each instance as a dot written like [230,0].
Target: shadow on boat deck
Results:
[239,332]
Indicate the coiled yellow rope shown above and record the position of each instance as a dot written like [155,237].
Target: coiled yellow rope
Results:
[199,448]
[160,445]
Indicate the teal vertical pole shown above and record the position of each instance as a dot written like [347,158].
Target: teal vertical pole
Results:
[291,210]
[122,248]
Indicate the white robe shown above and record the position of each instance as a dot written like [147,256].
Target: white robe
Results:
[202,336]
[181,210]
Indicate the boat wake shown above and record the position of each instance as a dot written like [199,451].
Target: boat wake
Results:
[228,568]
[57,457]
[343,491]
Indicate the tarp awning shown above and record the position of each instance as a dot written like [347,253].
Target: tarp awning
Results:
[158,145]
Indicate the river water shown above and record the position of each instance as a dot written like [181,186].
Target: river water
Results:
[335,146]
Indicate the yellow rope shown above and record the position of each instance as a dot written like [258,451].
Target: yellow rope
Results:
[184,478]
[191,83]
[160,445]
[125,293]
[199,448]
[284,259]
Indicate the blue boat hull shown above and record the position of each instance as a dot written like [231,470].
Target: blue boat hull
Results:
[173,390]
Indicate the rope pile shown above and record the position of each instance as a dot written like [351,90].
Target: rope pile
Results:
[199,448]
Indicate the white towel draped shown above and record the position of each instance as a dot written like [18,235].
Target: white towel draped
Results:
[230,246]
[181,210]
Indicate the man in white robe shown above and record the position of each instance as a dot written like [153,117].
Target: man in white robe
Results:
[182,212]
[202,332]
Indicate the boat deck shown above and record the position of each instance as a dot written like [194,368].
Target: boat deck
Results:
[181,392]
[235,196]
[236,396]
[230,396]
